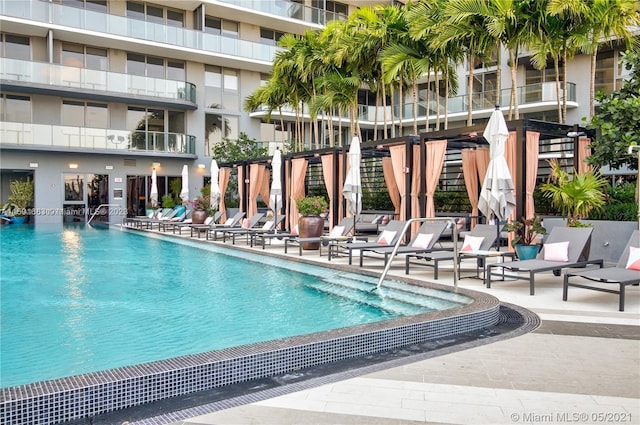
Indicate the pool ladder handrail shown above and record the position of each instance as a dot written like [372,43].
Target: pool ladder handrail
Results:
[98,209]
[454,229]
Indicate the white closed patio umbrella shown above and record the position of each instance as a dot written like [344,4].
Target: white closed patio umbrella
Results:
[184,192]
[275,194]
[496,196]
[352,189]
[153,195]
[215,185]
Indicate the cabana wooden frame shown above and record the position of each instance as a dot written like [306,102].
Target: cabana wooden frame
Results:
[457,140]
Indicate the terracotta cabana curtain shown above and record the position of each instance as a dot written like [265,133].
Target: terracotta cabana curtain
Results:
[328,167]
[482,163]
[398,157]
[223,181]
[255,184]
[510,157]
[416,177]
[435,160]
[583,152]
[532,146]
[298,173]
[390,180]
[470,173]
[241,187]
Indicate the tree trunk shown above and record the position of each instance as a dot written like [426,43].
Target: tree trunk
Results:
[470,92]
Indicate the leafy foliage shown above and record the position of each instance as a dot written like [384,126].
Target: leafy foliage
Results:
[617,121]
[526,230]
[574,195]
[312,205]
[230,150]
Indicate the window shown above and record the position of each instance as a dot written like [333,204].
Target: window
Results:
[151,66]
[155,14]
[270,37]
[221,88]
[605,72]
[83,57]
[16,109]
[97,5]
[219,126]
[16,47]
[85,114]
[221,27]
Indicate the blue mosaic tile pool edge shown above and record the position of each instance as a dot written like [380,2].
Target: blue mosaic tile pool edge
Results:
[66,399]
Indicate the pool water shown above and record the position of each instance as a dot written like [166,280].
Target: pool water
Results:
[77,299]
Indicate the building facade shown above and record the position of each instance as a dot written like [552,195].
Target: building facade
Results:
[95,94]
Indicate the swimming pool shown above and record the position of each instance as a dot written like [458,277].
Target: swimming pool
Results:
[163,272]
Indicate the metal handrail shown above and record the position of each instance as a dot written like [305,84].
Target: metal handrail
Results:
[454,229]
[98,209]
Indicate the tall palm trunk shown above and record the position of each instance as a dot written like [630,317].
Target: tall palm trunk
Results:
[446,99]
[470,91]
[414,89]
[592,85]
[400,107]
[437,95]
[384,110]
[513,102]
[558,99]
[564,87]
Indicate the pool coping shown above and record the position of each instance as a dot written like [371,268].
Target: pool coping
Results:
[76,397]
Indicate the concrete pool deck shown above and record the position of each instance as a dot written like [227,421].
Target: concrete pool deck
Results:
[582,365]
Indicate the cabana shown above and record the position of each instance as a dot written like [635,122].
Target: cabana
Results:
[415,167]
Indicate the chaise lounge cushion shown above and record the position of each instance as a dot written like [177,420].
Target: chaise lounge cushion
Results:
[558,251]
[633,263]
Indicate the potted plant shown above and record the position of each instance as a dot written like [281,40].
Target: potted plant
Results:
[526,232]
[22,198]
[311,224]
[201,209]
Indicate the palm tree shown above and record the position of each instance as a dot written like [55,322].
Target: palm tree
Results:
[470,32]
[574,195]
[424,21]
[607,21]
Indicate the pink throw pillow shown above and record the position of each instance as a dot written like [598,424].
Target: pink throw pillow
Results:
[386,238]
[633,263]
[472,243]
[558,251]
[245,223]
[294,232]
[422,241]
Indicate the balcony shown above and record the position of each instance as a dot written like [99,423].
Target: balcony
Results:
[113,27]
[289,9]
[97,140]
[43,77]
[531,98]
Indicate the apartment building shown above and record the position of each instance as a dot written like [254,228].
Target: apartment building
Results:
[95,94]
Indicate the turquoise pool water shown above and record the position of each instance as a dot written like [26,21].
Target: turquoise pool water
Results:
[79,299]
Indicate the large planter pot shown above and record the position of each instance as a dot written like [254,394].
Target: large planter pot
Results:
[526,252]
[310,226]
[199,216]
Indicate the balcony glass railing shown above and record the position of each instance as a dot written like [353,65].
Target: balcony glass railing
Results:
[533,93]
[91,79]
[112,25]
[289,9]
[88,139]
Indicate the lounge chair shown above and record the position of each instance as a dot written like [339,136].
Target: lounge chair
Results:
[488,233]
[424,241]
[386,237]
[338,233]
[265,227]
[625,272]
[224,229]
[564,247]
[187,224]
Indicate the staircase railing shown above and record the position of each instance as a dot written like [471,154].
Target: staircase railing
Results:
[98,209]
[454,230]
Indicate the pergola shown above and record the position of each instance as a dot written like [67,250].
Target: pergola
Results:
[412,166]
